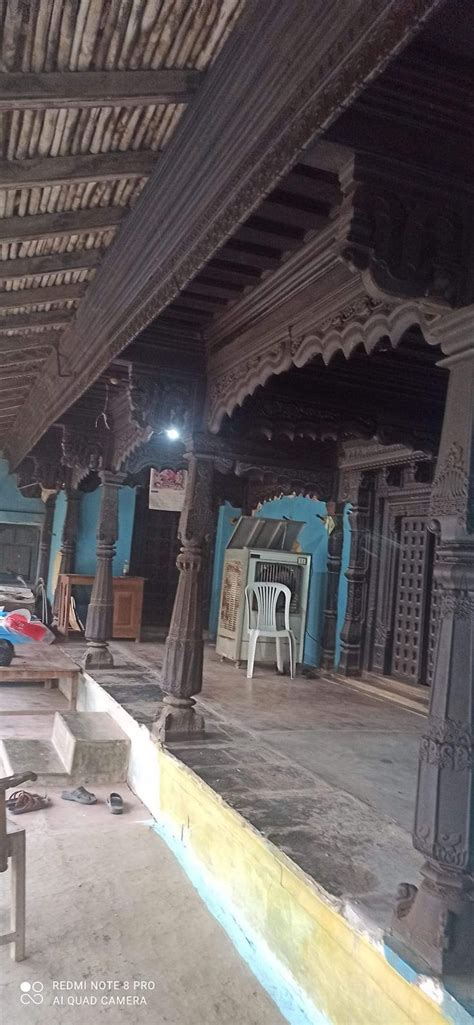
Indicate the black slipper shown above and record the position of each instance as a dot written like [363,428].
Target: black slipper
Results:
[80,795]
[115,804]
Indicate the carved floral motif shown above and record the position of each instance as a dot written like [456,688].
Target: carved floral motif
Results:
[451,486]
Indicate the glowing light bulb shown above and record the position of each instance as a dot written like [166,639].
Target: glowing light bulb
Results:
[172,433]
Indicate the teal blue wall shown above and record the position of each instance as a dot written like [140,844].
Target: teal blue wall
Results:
[57,533]
[15,506]
[342,594]
[86,538]
[314,540]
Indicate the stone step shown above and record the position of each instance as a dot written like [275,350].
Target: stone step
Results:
[91,746]
[20,754]
[85,747]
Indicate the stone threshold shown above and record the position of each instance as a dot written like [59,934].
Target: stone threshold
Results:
[411,696]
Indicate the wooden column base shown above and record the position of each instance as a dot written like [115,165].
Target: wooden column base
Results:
[178,720]
[97,656]
[437,920]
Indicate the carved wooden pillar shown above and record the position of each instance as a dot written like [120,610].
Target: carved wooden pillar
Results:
[46,535]
[68,540]
[356,490]
[101,607]
[438,919]
[328,645]
[182,666]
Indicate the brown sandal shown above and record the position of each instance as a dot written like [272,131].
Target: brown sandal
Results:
[22,801]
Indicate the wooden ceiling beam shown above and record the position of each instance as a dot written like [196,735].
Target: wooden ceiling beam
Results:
[261,232]
[211,289]
[237,253]
[18,343]
[44,318]
[42,171]
[244,133]
[218,271]
[73,222]
[292,216]
[49,294]
[29,266]
[23,359]
[199,302]
[62,90]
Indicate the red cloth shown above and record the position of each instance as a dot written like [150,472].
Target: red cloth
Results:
[35,631]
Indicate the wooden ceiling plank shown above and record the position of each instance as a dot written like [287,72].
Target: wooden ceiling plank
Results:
[294,217]
[80,259]
[264,233]
[210,289]
[51,318]
[73,222]
[62,90]
[42,171]
[200,302]
[49,294]
[239,254]
[21,359]
[18,343]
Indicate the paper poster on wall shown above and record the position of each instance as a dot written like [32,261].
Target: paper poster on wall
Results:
[167,490]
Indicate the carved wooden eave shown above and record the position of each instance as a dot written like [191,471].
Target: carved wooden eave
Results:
[269,482]
[238,137]
[333,322]
[43,471]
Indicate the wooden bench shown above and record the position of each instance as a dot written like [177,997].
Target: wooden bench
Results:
[43,666]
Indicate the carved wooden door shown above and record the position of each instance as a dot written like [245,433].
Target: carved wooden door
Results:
[409,656]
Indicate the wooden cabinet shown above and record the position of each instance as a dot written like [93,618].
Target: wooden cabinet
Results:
[128,604]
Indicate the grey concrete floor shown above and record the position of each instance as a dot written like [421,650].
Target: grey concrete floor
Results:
[326,772]
[107,902]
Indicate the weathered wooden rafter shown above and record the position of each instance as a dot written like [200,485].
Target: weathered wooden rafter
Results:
[24,358]
[35,296]
[80,259]
[15,229]
[40,319]
[62,90]
[45,171]
[244,133]
[20,343]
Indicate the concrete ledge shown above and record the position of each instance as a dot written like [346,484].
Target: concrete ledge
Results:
[318,960]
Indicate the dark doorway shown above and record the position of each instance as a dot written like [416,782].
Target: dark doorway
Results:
[155,547]
[19,545]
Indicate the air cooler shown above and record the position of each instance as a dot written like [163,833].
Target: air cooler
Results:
[261,550]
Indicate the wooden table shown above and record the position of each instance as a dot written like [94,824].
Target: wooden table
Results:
[43,664]
[128,604]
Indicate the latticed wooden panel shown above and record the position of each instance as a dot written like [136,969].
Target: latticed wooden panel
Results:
[409,599]
[433,627]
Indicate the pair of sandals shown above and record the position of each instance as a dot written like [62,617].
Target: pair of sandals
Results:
[22,801]
[82,796]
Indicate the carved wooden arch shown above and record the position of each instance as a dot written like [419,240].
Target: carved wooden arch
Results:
[364,321]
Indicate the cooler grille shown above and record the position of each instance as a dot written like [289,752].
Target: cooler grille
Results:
[231,595]
[281,573]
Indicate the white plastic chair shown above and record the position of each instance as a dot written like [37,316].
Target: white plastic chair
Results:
[267,596]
